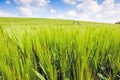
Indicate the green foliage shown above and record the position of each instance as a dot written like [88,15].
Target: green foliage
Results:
[44,49]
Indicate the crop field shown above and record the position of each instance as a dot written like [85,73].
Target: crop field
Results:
[53,49]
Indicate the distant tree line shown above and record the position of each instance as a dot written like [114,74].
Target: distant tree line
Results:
[117,22]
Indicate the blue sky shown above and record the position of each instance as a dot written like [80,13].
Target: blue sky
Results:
[84,10]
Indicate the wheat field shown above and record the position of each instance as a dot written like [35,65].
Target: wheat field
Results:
[53,49]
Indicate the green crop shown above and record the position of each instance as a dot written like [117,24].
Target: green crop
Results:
[44,49]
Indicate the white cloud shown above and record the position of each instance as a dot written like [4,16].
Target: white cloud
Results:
[26,11]
[6,14]
[108,4]
[89,5]
[72,13]
[90,10]
[72,2]
[61,16]
[29,7]
[8,2]
[77,16]
[40,3]
[52,10]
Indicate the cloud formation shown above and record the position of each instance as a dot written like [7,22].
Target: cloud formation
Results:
[72,13]
[72,2]
[88,10]
[8,2]
[30,7]
[6,14]
[52,10]
[108,11]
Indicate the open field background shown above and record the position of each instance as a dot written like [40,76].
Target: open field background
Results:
[51,49]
